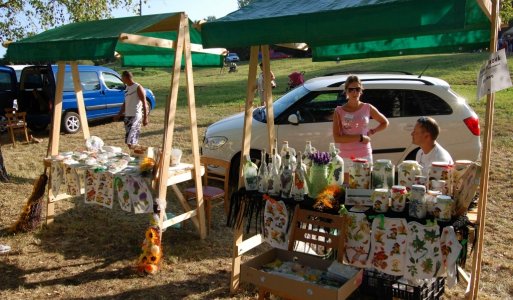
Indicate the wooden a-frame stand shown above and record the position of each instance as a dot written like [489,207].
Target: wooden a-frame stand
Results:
[182,46]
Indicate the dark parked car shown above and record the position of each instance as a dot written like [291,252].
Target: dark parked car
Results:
[102,88]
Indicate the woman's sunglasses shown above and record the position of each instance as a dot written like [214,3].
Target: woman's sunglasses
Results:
[355,89]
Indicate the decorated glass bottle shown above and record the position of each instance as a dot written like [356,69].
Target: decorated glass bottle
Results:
[336,166]
[291,151]
[309,149]
[286,177]
[274,176]
[250,172]
[299,187]
[263,174]
[276,158]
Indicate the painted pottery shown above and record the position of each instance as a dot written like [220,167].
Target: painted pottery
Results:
[380,199]
[417,208]
[443,208]
[398,198]
[406,172]
[383,174]
[359,174]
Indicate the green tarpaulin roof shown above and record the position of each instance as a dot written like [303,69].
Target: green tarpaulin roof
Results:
[342,29]
[100,40]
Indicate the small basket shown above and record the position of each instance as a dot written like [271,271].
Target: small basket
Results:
[384,286]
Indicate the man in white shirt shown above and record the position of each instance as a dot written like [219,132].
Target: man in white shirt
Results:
[424,135]
[134,109]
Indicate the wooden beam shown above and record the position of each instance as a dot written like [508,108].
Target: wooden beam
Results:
[250,243]
[191,99]
[473,288]
[199,49]
[169,121]
[142,40]
[486,6]
[268,95]
[246,144]
[80,99]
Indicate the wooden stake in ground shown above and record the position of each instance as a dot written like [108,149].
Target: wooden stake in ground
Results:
[3,173]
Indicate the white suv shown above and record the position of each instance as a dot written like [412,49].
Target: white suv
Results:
[306,114]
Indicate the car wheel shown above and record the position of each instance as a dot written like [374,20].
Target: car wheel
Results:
[71,122]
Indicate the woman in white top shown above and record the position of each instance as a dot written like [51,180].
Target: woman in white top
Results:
[424,135]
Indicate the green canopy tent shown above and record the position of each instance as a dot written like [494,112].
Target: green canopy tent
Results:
[347,29]
[162,40]
[104,39]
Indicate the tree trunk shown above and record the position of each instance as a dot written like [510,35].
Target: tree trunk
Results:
[3,172]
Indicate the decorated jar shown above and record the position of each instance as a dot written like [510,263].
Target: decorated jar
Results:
[418,205]
[443,208]
[441,171]
[439,185]
[317,179]
[359,174]
[431,201]
[398,198]
[383,173]
[421,179]
[250,171]
[406,172]
[380,200]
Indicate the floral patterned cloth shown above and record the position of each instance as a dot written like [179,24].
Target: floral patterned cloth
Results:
[275,224]
[388,245]
[57,176]
[423,257]
[358,240]
[451,248]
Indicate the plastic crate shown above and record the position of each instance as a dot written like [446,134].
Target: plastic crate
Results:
[384,286]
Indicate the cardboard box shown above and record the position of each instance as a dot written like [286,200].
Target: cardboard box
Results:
[294,289]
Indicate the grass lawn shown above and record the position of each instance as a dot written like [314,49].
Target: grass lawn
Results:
[89,251]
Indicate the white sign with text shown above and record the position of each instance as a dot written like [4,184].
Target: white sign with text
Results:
[494,75]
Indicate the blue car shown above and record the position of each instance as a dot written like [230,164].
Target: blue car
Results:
[102,88]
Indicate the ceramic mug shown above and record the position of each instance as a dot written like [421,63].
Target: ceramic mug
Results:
[398,197]
[380,200]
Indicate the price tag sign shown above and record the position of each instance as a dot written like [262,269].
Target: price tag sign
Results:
[494,75]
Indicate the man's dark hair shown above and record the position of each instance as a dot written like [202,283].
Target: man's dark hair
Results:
[429,124]
[127,74]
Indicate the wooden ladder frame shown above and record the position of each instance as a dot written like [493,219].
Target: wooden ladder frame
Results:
[182,47]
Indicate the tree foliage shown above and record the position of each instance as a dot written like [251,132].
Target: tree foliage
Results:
[243,3]
[506,11]
[19,19]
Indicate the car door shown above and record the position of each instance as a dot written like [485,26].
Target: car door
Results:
[315,121]
[114,93]
[94,100]
[8,88]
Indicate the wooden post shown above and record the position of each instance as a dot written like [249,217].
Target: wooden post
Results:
[473,287]
[55,135]
[194,131]
[169,123]
[246,144]
[80,99]
[268,95]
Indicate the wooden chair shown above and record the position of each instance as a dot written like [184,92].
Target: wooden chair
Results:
[16,121]
[211,193]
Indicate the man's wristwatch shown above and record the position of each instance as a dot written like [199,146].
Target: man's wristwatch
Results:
[361,138]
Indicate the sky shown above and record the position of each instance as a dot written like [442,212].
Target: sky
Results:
[196,9]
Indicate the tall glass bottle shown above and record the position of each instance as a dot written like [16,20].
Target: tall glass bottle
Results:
[263,174]
[286,177]
[276,156]
[274,176]
[336,166]
[291,151]
[309,149]
[299,187]
[250,172]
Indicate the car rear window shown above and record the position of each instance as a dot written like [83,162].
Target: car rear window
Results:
[5,81]
[89,80]
[394,103]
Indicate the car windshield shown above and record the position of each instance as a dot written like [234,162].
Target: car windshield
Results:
[281,104]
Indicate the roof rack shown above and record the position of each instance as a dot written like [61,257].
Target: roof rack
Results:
[346,72]
[426,82]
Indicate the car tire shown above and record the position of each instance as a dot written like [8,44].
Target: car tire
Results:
[37,127]
[71,122]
